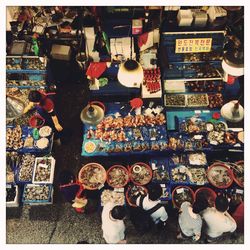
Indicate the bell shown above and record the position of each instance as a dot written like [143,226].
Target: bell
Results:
[232,111]
[130,74]
[93,113]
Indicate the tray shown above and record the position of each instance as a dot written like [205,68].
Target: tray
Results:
[49,200]
[183,96]
[17,172]
[52,170]
[15,202]
[195,97]
[160,170]
[179,170]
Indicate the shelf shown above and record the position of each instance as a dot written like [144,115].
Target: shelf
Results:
[25,71]
[195,79]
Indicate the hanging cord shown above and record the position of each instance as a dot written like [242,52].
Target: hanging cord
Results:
[129,31]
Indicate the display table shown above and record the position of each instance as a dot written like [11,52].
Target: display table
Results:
[115,89]
[124,136]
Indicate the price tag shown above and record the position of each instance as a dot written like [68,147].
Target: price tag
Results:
[101,186]
[239,191]
[206,111]
[197,111]
[163,185]
[41,165]
[119,190]
[180,190]
[153,166]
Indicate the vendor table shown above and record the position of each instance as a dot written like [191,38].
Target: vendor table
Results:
[151,139]
[146,139]
[114,89]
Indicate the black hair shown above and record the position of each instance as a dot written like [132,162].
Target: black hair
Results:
[221,203]
[118,212]
[35,96]
[199,205]
[154,191]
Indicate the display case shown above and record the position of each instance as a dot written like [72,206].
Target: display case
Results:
[193,65]
[25,71]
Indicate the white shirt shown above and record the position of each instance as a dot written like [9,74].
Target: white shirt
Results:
[159,214]
[218,222]
[113,230]
[190,223]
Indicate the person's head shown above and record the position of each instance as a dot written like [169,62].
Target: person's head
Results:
[221,203]
[199,205]
[154,191]
[35,96]
[118,212]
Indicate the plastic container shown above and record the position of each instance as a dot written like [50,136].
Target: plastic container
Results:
[33,121]
[87,167]
[205,102]
[177,105]
[136,168]
[182,171]
[160,170]
[128,198]
[52,170]
[220,166]
[47,201]
[15,202]
[207,193]
[179,190]
[110,170]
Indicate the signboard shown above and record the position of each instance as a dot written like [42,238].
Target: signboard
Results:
[195,45]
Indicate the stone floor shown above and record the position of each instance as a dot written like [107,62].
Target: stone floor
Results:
[59,223]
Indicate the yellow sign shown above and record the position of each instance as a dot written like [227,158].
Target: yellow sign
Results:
[195,45]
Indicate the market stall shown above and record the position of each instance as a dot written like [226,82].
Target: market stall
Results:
[162,103]
[179,135]
[30,166]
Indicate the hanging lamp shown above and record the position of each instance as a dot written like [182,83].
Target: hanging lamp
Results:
[232,111]
[93,113]
[130,73]
[233,61]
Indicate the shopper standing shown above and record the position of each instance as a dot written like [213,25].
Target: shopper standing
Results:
[190,222]
[152,201]
[218,220]
[112,223]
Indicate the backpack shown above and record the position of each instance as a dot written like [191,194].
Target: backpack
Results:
[141,219]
